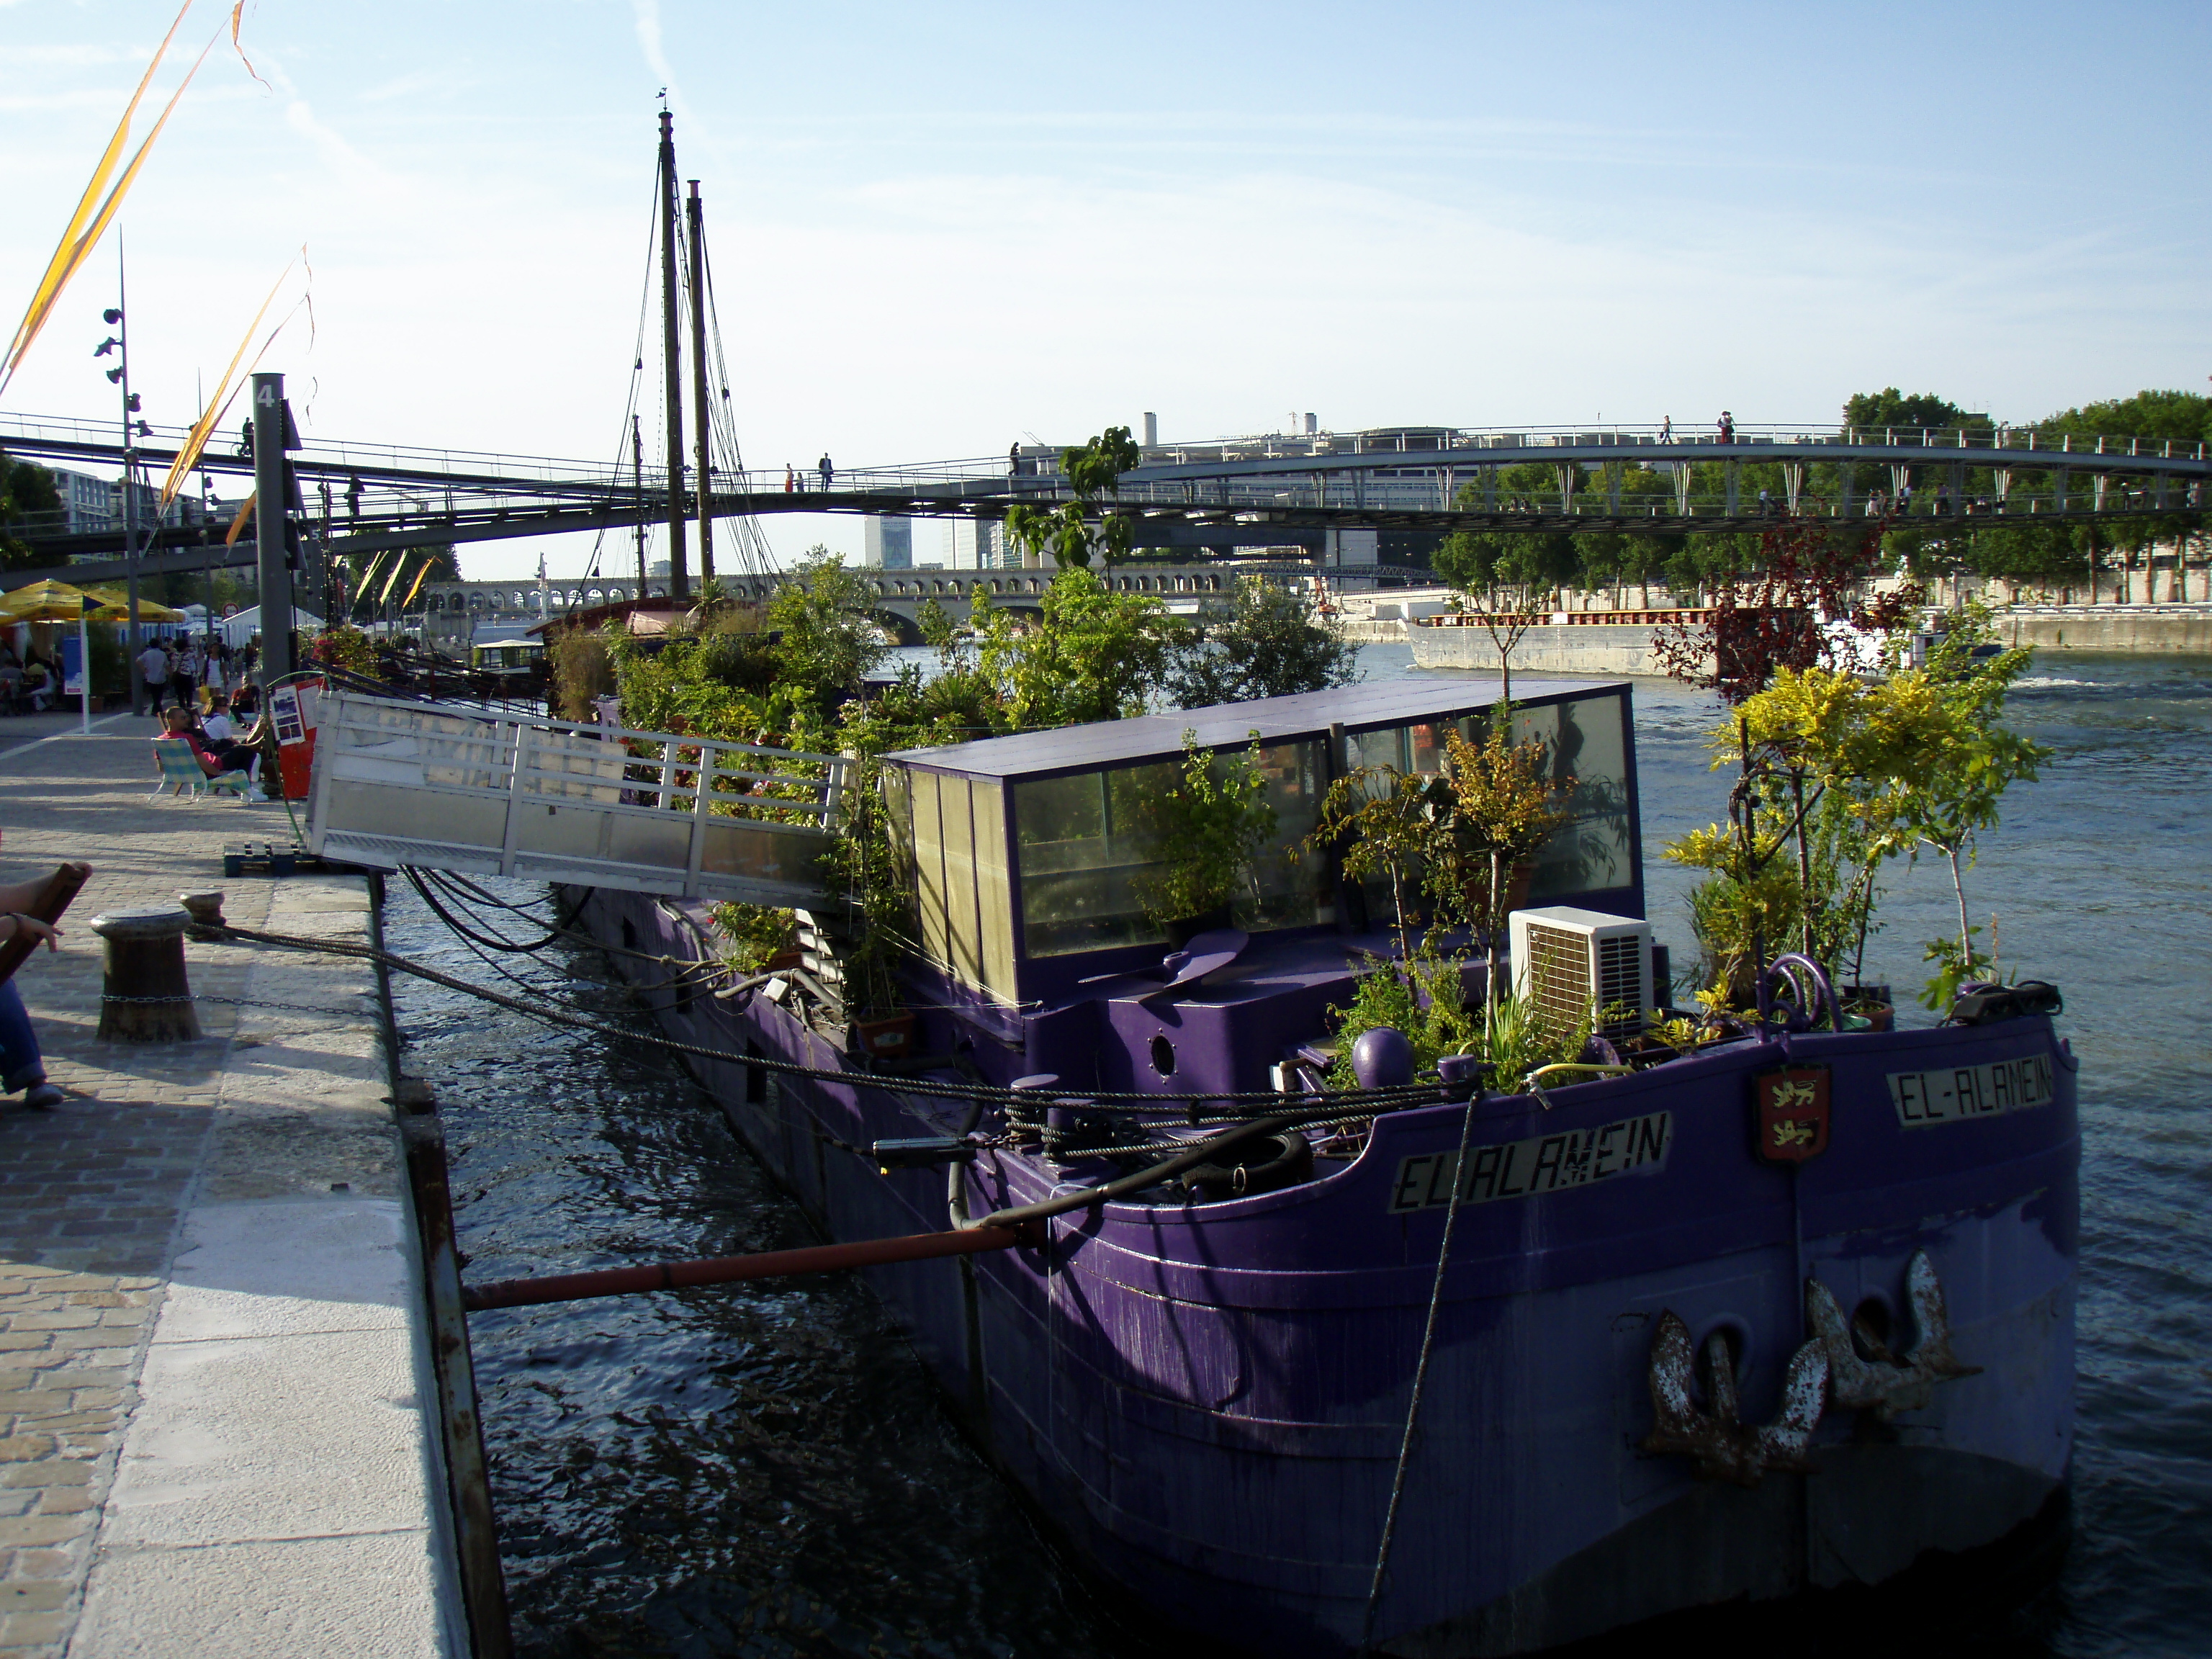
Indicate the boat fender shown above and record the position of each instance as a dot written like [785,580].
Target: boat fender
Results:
[1271,1163]
[1383,1058]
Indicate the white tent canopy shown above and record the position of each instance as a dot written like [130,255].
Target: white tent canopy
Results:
[239,629]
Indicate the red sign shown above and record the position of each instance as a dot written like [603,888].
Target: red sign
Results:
[1790,1114]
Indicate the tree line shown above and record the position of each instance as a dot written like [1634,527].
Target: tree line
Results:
[2014,548]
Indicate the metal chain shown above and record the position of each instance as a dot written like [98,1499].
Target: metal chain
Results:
[233,1002]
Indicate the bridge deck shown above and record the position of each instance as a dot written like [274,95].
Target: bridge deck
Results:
[384,497]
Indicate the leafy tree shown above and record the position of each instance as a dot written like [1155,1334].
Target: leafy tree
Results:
[27,492]
[1096,655]
[1268,644]
[826,637]
[2181,417]
[1066,531]
[1891,408]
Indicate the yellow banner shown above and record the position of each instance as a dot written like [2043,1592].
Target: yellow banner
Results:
[78,240]
[238,523]
[226,392]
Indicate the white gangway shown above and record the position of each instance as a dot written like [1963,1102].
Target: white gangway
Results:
[442,787]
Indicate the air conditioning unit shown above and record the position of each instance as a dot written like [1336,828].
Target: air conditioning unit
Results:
[1564,960]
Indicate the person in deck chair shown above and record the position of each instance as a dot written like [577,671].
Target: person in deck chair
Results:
[180,724]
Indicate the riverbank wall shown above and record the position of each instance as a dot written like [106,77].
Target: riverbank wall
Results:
[1579,648]
[2181,630]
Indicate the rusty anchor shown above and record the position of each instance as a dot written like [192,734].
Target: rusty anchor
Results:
[1720,1445]
[1888,1382]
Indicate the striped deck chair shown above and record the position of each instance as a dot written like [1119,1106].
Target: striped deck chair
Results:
[181,775]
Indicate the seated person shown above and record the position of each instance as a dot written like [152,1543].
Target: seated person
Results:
[215,727]
[38,685]
[178,724]
[11,683]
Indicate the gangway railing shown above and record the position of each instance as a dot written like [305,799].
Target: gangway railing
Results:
[439,787]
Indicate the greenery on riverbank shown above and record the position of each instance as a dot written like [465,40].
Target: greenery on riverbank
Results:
[1510,567]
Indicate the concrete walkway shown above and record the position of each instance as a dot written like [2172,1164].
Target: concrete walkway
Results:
[216,1435]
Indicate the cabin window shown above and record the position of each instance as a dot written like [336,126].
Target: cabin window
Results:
[1589,754]
[951,833]
[1084,845]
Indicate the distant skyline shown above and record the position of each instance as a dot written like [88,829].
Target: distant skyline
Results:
[936,231]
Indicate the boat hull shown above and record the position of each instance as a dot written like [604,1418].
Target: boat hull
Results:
[1210,1400]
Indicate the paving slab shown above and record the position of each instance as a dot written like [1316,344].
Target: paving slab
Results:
[216,1407]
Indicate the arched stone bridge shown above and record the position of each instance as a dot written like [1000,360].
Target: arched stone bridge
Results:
[901,594]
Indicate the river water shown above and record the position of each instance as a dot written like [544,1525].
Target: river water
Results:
[764,1470]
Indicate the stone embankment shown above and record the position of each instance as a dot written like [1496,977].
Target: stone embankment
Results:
[2148,629]
[218,1429]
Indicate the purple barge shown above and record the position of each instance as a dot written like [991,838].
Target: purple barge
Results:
[1788,1313]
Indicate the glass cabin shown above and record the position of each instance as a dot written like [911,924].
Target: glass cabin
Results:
[1027,854]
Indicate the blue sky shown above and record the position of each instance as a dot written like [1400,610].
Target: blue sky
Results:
[936,229]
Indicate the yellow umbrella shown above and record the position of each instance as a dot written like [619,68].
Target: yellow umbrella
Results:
[53,601]
[47,601]
[116,607]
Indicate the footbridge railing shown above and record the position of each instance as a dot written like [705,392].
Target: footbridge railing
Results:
[444,788]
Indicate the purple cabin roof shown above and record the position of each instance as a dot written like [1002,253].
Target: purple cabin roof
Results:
[1356,707]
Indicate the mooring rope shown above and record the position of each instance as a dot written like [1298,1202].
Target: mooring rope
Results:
[1420,1381]
[1351,1103]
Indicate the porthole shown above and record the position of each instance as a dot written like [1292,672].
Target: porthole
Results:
[1164,1056]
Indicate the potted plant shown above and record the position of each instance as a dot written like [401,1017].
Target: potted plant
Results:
[1209,830]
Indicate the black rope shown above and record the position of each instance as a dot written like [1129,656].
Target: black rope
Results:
[492,941]
[1351,1103]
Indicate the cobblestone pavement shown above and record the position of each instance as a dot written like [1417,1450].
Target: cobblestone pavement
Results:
[268,1105]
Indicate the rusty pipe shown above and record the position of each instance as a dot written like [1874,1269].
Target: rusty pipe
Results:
[730,1269]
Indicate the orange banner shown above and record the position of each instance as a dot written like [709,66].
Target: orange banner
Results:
[70,251]
[238,523]
[226,392]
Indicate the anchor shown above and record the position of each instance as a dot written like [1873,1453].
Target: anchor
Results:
[1888,1382]
[1720,1445]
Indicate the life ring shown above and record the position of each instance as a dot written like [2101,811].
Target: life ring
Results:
[1272,1162]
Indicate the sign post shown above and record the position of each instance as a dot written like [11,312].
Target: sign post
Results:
[272,525]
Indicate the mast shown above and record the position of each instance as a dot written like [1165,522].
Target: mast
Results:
[701,414]
[637,489]
[679,574]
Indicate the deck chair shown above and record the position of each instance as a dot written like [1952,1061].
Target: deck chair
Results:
[181,775]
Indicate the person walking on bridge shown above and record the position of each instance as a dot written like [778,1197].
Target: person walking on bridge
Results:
[1728,427]
[1667,430]
[790,479]
[829,473]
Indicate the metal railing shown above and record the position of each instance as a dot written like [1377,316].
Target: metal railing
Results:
[444,788]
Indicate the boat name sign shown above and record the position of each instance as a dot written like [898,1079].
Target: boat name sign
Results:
[1960,1093]
[1545,1164]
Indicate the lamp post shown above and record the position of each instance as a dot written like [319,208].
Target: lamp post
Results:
[117,317]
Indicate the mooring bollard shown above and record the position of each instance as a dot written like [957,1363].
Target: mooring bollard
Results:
[144,996]
[205,910]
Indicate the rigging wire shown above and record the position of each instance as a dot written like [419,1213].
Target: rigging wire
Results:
[758,558]
[637,370]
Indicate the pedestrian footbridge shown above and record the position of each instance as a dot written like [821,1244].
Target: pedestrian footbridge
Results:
[441,787]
